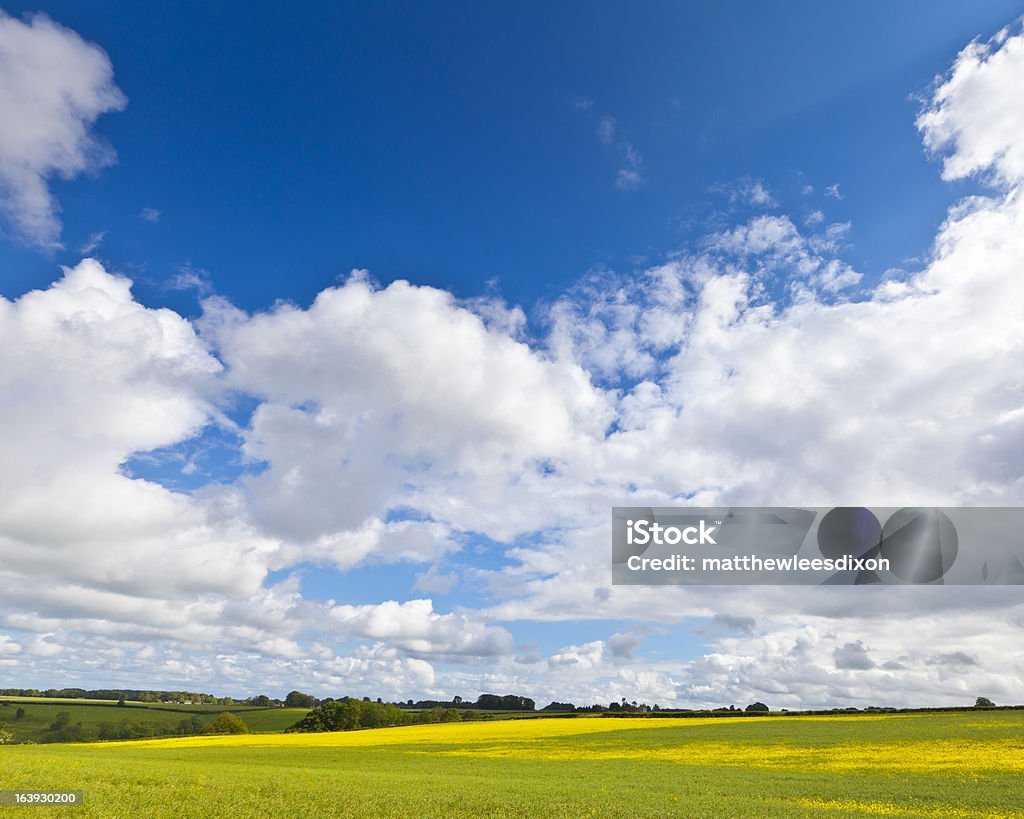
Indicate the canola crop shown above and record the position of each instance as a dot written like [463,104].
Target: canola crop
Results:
[967,765]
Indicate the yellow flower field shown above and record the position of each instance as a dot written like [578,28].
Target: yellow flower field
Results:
[967,765]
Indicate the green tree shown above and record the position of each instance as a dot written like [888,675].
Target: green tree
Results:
[62,720]
[372,715]
[296,699]
[226,723]
[984,702]
[5,735]
[19,713]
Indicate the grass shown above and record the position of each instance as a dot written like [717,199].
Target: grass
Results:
[967,765]
[40,713]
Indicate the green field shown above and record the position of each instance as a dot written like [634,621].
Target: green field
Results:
[927,765]
[40,713]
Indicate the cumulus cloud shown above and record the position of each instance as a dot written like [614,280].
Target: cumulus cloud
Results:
[624,644]
[416,627]
[736,394]
[853,655]
[398,425]
[53,87]
[970,120]
[586,658]
[92,377]
[380,399]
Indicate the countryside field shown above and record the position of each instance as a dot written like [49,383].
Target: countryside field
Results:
[967,764]
[39,713]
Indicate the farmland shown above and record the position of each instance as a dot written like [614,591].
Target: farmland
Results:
[39,714]
[968,764]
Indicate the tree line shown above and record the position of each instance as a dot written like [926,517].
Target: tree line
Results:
[350,714]
[133,694]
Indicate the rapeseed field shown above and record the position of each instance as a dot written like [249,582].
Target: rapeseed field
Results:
[967,765]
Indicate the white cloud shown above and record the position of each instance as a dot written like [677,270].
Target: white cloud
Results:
[191,278]
[416,627]
[749,398]
[435,581]
[378,399]
[92,377]
[377,671]
[151,215]
[628,179]
[973,117]
[93,242]
[583,659]
[394,422]
[53,87]
[747,191]
[630,176]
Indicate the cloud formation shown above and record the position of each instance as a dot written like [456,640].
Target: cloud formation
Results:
[970,119]
[53,87]
[397,425]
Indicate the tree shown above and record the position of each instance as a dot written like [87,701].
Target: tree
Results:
[5,735]
[510,702]
[296,699]
[758,707]
[190,726]
[63,719]
[349,714]
[984,702]
[226,723]
[19,713]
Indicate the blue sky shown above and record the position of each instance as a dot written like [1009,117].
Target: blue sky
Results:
[443,143]
[671,252]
